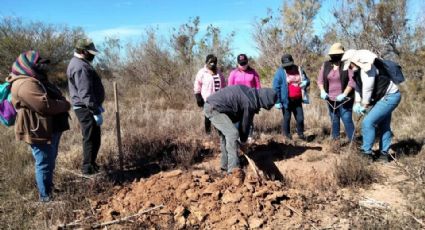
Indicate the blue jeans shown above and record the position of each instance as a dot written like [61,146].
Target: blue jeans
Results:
[229,136]
[344,113]
[295,107]
[379,118]
[45,162]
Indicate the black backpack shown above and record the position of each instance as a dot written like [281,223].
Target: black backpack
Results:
[390,70]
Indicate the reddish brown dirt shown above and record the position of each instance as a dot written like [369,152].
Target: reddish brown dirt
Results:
[300,193]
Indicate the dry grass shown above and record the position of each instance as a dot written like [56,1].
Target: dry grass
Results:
[160,134]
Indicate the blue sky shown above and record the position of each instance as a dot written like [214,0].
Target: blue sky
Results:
[127,19]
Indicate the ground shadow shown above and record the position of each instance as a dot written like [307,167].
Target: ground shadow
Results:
[265,155]
[143,158]
[408,147]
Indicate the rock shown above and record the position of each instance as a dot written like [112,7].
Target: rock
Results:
[180,222]
[255,222]
[245,208]
[287,212]
[232,220]
[172,173]
[276,196]
[229,197]
[261,193]
[200,215]
[204,178]
[198,173]
[210,189]
[179,211]
[216,195]
[192,195]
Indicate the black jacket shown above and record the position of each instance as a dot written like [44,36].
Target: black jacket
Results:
[240,103]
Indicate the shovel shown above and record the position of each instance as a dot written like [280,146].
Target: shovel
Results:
[252,164]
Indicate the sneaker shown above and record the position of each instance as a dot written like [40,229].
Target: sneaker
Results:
[45,199]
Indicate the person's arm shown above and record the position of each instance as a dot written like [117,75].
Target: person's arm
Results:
[320,79]
[35,98]
[231,80]
[197,85]
[277,85]
[368,82]
[305,78]
[257,80]
[245,125]
[84,85]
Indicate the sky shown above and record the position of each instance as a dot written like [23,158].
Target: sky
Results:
[128,19]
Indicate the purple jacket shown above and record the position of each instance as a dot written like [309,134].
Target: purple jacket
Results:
[248,78]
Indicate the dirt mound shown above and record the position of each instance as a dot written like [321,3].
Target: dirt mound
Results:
[199,199]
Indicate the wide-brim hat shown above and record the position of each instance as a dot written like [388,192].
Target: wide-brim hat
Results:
[362,58]
[287,60]
[336,48]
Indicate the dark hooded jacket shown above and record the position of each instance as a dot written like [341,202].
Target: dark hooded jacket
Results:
[240,103]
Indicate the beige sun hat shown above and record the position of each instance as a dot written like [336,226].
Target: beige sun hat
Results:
[336,48]
[362,58]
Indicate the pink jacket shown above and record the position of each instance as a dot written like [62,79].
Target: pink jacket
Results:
[248,78]
[204,83]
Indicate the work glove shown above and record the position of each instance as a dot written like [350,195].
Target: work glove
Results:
[340,97]
[323,95]
[99,119]
[278,106]
[199,100]
[303,84]
[359,109]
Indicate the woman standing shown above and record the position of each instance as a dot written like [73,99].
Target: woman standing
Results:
[41,115]
[290,83]
[208,80]
[337,86]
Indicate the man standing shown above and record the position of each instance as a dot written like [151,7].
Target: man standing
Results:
[233,104]
[87,95]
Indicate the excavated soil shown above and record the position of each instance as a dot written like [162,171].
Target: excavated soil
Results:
[299,192]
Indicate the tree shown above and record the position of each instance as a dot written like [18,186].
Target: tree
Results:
[54,42]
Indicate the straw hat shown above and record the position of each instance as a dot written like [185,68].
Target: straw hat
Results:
[336,48]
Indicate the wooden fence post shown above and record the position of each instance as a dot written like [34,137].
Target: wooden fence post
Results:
[118,127]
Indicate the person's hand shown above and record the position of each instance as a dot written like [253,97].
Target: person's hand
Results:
[340,97]
[323,95]
[359,109]
[303,84]
[99,119]
[278,106]
[243,147]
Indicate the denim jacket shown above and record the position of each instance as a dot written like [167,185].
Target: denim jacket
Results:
[280,86]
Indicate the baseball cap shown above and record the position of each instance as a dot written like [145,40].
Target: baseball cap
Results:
[242,59]
[86,44]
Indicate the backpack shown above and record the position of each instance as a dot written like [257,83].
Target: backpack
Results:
[7,111]
[390,70]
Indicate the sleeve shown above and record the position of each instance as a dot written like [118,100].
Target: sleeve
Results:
[320,77]
[277,85]
[84,85]
[257,80]
[368,81]
[35,97]
[306,77]
[357,97]
[197,85]
[351,81]
[223,81]
[245,125]
[231,80]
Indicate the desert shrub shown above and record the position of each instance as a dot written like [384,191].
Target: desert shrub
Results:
[354,170]
[53,41]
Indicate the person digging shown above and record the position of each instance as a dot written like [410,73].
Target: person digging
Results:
[231,105]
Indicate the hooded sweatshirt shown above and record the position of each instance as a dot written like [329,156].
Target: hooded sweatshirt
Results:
[240,103]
